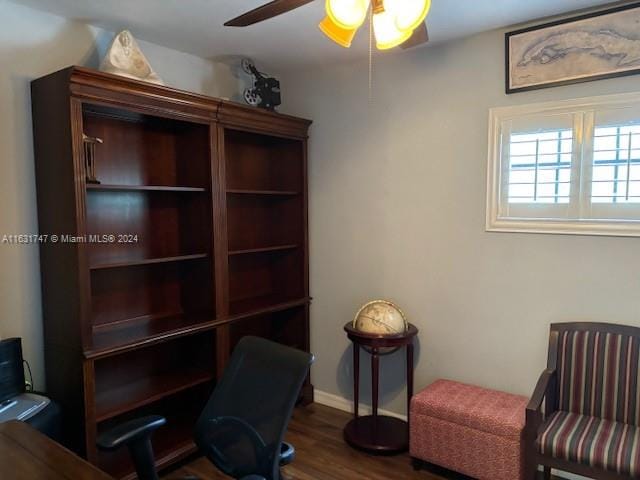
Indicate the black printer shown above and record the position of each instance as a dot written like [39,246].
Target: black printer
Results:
[16,403]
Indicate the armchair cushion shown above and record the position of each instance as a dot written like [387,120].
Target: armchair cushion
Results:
[598,375]
[599,443]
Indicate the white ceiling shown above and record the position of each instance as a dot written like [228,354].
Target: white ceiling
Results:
[291,40]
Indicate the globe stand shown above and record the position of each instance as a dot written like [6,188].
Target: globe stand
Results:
[378,434]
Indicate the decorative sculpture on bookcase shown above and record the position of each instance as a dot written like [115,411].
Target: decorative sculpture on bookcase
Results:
[90,157]
[125,58]
[265,90]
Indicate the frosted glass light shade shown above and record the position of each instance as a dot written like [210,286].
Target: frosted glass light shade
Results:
[409,14]
[387,34]
[342,36]
[347,14]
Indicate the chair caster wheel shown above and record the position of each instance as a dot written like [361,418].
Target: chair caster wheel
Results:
[287,454]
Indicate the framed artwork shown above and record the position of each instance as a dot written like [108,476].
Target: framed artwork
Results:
[595,46]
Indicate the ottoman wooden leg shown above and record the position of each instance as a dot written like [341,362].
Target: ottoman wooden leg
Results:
[416,463]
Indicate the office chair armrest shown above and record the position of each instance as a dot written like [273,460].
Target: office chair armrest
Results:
[129,432]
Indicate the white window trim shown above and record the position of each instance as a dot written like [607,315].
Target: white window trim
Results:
[496,223]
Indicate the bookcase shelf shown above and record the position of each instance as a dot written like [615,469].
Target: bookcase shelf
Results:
[206,203]
[148,149]
[247,307]
[275,220]
[269,308]
[262,192]
[139,377]
[285,326]
[149,261]
[136,394]
[266,278]
[164,226]
[136,335]
[142,188]
[277,248]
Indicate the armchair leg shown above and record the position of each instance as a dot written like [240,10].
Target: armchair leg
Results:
[530,468]
[547,473]
[142,456]
[531,473]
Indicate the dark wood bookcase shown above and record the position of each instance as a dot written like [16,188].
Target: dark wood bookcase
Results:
[195,236]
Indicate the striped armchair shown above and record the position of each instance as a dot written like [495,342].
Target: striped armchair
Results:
[590,388]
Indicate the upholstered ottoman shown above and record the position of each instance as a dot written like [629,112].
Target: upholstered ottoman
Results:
[469,429]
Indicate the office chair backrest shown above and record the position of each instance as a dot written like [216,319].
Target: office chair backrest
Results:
[242,426]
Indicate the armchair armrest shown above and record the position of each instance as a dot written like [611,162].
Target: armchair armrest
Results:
[129,432]
[542,390]
[545,388]
[533,415]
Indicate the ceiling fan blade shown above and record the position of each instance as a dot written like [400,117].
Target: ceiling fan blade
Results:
[265,12]
[420,36]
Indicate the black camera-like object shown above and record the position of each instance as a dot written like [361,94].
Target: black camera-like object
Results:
[266,90]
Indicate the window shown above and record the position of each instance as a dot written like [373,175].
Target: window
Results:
[540,169]
[566,167]
[616,164]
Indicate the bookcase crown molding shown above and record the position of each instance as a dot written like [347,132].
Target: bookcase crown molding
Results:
[90,84]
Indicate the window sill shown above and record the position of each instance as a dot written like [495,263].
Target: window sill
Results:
[578,227]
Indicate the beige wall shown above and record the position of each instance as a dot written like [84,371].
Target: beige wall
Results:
[397,208]
[33,44]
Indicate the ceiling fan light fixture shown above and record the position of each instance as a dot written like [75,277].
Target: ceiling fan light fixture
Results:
[386,31]
[409,14]
[347,14]
[342,36]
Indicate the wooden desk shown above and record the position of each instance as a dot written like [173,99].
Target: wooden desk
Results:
[26,454]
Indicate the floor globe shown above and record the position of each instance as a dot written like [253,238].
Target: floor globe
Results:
[380,317]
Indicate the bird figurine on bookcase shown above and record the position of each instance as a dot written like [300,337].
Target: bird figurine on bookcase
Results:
[124,57]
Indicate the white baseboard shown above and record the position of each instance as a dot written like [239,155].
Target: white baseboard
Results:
[341,403]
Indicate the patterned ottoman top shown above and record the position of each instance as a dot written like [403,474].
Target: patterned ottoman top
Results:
[490,411]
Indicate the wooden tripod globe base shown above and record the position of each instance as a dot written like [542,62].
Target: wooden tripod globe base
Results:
[380,435]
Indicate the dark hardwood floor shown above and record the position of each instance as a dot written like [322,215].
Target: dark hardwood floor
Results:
[322,454]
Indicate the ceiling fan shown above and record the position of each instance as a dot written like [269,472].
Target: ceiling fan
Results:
[395,22]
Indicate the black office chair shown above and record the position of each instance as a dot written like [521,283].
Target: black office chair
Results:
[241,428]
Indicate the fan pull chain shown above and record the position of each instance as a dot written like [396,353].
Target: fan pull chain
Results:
[371,54]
